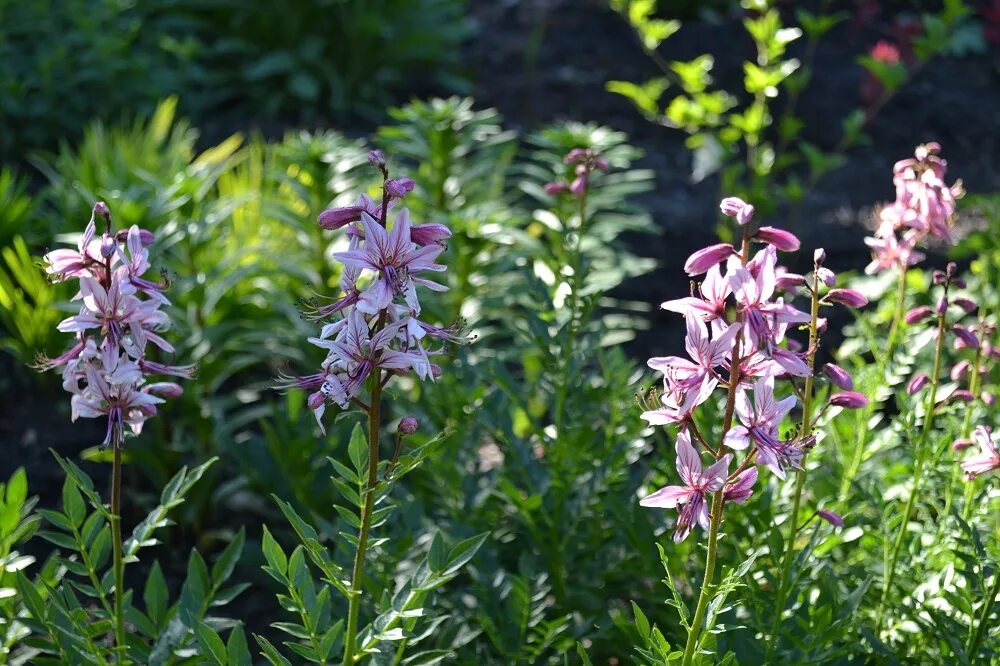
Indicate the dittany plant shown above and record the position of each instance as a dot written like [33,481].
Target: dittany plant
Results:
[372,333]
[88,616]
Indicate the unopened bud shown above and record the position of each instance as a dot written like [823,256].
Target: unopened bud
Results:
[408,425]
[819,256]
[838,376]
[961,444]
[101,209]
[849,400]
[782,240]
[108,246]
[555,189]
[335,218]
[918,382]
[917,314]
[316,400]
[398,188]
[831,517]
[966,304]
[849,297]
[737,208]
[377,159]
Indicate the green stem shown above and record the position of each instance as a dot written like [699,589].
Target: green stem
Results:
[865,417]
[708,583]
[800,479]
[970,486]
[918,469]
[977,638]
[116,542]
[354,600]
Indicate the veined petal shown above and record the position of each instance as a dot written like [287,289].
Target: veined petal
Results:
[667,498]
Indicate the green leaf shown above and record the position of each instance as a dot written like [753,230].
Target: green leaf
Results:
[211,644]
[436,554]
[17,489]
[155,594]
[194,593]
[273,553]
[223,567]
[270,652]
[463,552]
[645,96]
[357,449]
[237,649]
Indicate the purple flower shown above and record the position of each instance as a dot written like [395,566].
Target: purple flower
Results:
[918,314]
[831,517]
[740,489]
[849,297]
[737,208]
[918,382]
[698,482]
[335,218]
[754,293]
[849,400]
[391,254]
[429,234]
[988,458]
[714,289]
[782,240]
[707,257]
[759,421]
[838,376]
[397,188]
[408,425]
[706,355]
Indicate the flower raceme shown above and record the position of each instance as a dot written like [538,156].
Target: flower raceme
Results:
[924,206]
[736,323]
[375,324]
[118,325]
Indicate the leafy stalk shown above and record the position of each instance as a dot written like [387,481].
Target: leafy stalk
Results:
[918,468]
[800,478]
[116,542]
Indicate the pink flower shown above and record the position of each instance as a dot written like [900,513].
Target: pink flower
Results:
[838,376]
[429,234]
[759,421]
[714,289]
[988,458]
[707,355]
[707,257]
[918,314]
[782,240]
[740,489]
[831,517]
[392,255]
[849,400]
[335,218]
[64,264]
[849,297]
[918,382]
[698,482]
[753,295]
[737,208]
[677,406]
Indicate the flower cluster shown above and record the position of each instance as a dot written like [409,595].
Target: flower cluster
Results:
[375,324]
[116,330]
[743,350]
[584,161]
[924,206]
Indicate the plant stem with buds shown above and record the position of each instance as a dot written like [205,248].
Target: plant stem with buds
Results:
[800,479]
[918,470]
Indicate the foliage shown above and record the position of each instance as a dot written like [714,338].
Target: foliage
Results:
[753,137]
[64,63]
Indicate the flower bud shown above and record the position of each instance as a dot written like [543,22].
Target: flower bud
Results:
[376,158]
[849,297]
[316,400]
[705,258]
[165,389]
[958,283]
[579,185]
[918,382]
[819,256]
[826,276]
[101,209]
[736,207]
[848,400]
[740,489]
[917,314]
[408,425]
[962,395]
[938,277]
[821,324]
[575,156]
[788,281]
[335,218]
[108,246]
[831,517]
[961,444]
[967,304]
[397,188]
[959,370]
[555,189]
[601,164]
[429,234]
[146,237]
[838,376]
[988,398]
[782,240]
[967,337]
